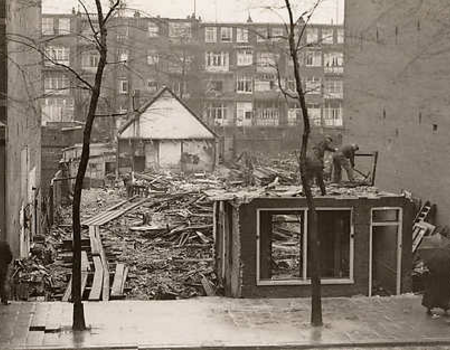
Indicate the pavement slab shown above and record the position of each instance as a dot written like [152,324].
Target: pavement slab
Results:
[218,323]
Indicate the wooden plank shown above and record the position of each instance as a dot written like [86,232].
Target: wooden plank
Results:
[207,287]
[121,212]
[106,283]
[93,239]
[117,282]
[124,278]
[85,268]
[84,274]
[97,284]
[68,291]
[96,217]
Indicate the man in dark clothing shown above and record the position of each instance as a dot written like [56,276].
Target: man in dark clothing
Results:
[344,158]
[5,259]
[315,162]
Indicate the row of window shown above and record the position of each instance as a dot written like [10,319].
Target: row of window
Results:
[58,109]
[245,84]
[268,114]
[58,83]
[212,34]
[215,61]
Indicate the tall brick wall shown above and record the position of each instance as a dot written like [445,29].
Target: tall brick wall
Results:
[268,140]
[23,136]
[397,101]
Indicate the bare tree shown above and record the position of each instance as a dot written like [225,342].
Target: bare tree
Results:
[100,35]
[295,29]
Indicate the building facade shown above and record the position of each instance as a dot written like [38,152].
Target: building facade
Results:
[262,244]
[20,157]
[396,86]
[227,73]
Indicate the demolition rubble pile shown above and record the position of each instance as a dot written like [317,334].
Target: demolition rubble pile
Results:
[165,241]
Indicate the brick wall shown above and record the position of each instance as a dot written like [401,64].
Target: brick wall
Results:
[396,93]
[268,140]
[23,156]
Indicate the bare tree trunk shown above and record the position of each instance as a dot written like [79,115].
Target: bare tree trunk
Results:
[316,298]
[79,322]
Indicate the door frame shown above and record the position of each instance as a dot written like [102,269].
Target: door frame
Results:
[399,224]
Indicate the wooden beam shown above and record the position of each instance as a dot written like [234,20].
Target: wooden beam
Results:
[97,284]
[117,282]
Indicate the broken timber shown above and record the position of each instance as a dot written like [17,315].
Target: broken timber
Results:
[100,285]
[84,276]
[112,213]
[119,281]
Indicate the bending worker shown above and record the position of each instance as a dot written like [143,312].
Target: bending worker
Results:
[344,158]
[315,162]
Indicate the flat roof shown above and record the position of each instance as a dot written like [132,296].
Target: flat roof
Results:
[333,191]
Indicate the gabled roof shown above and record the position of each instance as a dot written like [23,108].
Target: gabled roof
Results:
[165,117]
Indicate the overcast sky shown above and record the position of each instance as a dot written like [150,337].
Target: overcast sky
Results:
[330,11]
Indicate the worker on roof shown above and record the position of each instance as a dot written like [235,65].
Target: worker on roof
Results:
[315,162]
[344,157]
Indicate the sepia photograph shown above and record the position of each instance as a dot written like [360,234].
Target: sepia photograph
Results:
[214,174]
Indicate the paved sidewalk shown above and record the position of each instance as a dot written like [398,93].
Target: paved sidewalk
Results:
[217,323]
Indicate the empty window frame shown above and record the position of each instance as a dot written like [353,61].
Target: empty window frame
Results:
[283,246]
[48,26]
[385,250]
[56,83]
[241,35]
[244,113]
[332,114]
[226,34]
[64,26]
[217,61]
[122,55]
[313,85]
[89,60]
[327,36]
[152,30]
[123,86]
[244,57]
[313,59]
[315,113]
[244,84]
[216,112]
[210,34]
[57,54]
[333,89]
[312,35]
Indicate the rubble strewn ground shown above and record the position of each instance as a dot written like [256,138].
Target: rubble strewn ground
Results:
[166,242]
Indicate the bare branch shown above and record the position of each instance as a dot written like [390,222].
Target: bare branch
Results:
[94,30]
[111,10]
[49,58]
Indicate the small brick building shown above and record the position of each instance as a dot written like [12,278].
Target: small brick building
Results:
[262,243]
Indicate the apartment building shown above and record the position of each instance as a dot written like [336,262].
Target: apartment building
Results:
[227,73]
